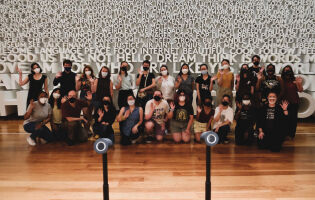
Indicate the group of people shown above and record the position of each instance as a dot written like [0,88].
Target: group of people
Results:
[163,104]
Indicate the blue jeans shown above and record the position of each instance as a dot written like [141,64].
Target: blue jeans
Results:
[42,132]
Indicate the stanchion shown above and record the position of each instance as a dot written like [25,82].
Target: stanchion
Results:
[101,146]
[211,139]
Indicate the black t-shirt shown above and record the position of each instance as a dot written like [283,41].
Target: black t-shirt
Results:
[204,86]
[270,118]
[108,117]
[67,82]
[182,113]
[146,80]
[254,72]
[35,86]
[270,84]
[246,114]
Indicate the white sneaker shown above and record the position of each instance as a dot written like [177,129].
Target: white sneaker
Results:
[30,141]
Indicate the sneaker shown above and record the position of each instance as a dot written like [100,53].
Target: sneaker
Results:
[30,141]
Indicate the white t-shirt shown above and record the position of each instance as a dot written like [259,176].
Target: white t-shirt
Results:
[226,114]
[159,111]
[167,86]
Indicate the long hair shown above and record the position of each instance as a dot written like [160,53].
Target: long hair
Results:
[51,100]
[100,73]
[32,65]
[180,71]
[283,76]
[126,72]
[177,94]
[90,68]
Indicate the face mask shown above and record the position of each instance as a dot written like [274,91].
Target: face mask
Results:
[182,98]
[68,69]
[145,68]
[124,69]
[208,103]
[203,72]
[256,63]
[225,66]
[131,102]
[164,73]
[157,98]
[72,100]
[225,103]
[106,103]
[36,70]
[246,102]
[272,100]
[270,71]
[104,74]
[43,100]
[289,72]
[88,73]
[56,95]
[185,71]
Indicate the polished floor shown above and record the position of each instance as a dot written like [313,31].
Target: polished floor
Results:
[154,171]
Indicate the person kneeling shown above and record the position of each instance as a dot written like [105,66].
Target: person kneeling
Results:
[130,119]
[71,114]
[182,117]
[37,115]
[223,118]
[104,118]
[156,111]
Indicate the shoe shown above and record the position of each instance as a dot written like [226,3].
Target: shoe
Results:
[226,141]
[30,141]
[137,140]
[149,139]
[42,141]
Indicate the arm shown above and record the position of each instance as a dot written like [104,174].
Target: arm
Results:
[237,82]
[78,84]
[150,86]
[141,117]
[281,87]
[178,82]
[111,89]
[298,82]
[151,111]
[220,79]
[94,86]
[57,79]
[190,122]
[118,86]
[120,115]
[139,79]
[28,112]
[209,123]
[217,115]
[71,119]
[46,86]
[198,92]
[23,82]
[232,81]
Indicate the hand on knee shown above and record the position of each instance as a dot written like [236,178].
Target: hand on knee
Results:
[149,126]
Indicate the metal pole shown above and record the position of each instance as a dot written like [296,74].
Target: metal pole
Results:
[105,178]
[208,173]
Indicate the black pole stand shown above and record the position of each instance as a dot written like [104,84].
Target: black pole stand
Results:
[208,173]
[105,178]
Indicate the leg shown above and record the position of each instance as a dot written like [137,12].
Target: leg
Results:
[186,136]
[30,128]
[159,131]
[149,126]
[177,137]
[46,134]
[197,136]
[293,115]
[223,131]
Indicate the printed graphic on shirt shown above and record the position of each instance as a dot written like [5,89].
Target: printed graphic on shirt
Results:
[222,118]
[271,83]
[204,87]
[158,113]
[181,115]
[270,113]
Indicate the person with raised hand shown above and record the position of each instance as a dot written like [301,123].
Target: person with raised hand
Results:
[66,79]
[123,84]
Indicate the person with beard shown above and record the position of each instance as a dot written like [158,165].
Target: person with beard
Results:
[66,79]
[124,84]
[130,120]
[272,120]
[146,82]
[104,118]
[243,84]
[244,116]
[269,82]
[223,119]
[71,114]
[291,86]
[156,111]
[204,117]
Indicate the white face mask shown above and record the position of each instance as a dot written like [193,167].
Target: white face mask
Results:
[131,102]
[182,98]
[246,102]
[164,73]
[185,71]
[43,100]
[36,70]
[272,100]
[88,73]
[204,72]
[104,74]
[56,95]
[225,66]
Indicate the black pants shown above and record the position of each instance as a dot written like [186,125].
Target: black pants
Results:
[58,132]
[104,131]
[122,97]
[292,119]
[143,101]
[244,132]
[272,140]
[223,132]
[75,132]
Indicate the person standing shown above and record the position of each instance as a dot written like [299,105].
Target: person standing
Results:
[204,84]
[36,79]
[66,79]
[185,82]
[103,86]
[291,86]
[166,84]
[124,84]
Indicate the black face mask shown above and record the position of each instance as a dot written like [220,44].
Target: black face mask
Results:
[124,69]
[145,68]
[256,63]
[208,103]
[270,71]
[157,98]
[225,103]
[68,69]
[288,73]
[106,103]
[72,100]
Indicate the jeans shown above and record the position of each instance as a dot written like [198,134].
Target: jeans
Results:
[42,132]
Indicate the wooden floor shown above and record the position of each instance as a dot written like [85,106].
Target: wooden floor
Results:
[155,171]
